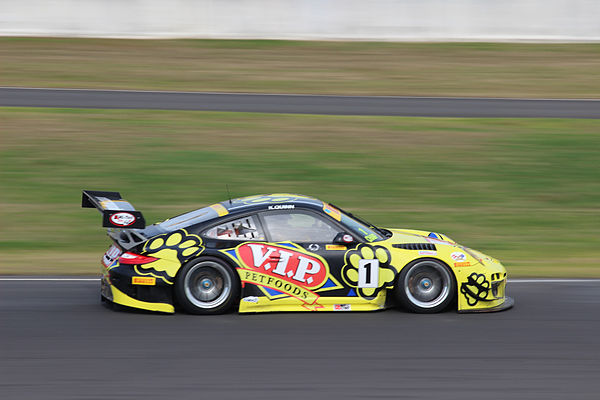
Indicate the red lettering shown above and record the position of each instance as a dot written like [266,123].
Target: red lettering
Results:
[283,263]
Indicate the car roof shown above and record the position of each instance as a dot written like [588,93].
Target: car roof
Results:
[260,201]
[238,206]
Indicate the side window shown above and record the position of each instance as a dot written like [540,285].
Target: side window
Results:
[299,227]
[239,229]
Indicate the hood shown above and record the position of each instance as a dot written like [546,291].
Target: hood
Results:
[417,236]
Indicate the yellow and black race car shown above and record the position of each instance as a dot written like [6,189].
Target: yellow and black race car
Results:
[284,252]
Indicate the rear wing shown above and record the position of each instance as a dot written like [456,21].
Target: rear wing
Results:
[116,212]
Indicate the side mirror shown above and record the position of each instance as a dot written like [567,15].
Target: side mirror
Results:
[344,238]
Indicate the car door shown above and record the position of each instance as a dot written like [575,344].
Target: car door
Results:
[313,234]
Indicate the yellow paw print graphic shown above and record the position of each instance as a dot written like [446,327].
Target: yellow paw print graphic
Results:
[367,257]
[172,250]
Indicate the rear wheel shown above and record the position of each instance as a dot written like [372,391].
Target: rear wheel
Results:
[207,285]
[425,286]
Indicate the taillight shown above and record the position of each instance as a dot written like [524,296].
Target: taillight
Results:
[135,259]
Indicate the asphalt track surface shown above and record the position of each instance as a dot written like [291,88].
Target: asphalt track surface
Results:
[301,104]
[58,342]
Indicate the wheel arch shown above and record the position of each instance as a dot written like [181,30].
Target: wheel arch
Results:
[214,254]
[415,260]
[454,303]
[204,255]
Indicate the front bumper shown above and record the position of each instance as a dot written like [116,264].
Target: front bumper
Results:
[482,287]
[122,285]
[509,302]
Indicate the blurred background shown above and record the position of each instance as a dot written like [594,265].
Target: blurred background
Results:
[524,190]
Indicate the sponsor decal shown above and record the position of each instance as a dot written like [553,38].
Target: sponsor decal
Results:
[111,255]
[342,307]
[270,198]
[313,247]
[457,256]
[250,299]
[427,253]
[462,264]
[282,207]
[122,219]
[291,289]
[285,269]
[280,262]
[335,247]
[347,238]
[332,212]
[371,237]
[143,280]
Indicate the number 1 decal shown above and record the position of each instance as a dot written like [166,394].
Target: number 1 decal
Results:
[368,273]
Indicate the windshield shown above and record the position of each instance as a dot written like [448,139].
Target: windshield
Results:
[367,231]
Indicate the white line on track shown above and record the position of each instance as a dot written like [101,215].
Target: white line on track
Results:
[541,280]
[294,94]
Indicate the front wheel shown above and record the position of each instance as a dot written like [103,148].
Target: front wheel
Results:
[425,286]
[207,285]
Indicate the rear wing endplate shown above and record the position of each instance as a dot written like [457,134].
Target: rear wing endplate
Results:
[116,212]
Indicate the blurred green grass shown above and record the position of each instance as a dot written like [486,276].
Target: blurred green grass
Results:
[525,191]
[417,69]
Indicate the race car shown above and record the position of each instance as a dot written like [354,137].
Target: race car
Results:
[286,252]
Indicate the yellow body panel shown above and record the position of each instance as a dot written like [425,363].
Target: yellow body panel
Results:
[221,211]
[480,279]
[121,298]
[111,293]
[476,274]
[264,304]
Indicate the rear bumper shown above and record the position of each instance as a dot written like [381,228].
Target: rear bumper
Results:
[122,285]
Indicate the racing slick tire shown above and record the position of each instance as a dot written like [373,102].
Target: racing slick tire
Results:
[207,285]
[425,286]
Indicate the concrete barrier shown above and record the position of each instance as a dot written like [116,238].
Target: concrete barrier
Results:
[398,20]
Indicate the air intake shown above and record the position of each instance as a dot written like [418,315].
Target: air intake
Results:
[415,246]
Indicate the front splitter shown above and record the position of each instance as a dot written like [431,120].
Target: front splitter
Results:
[509,302]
